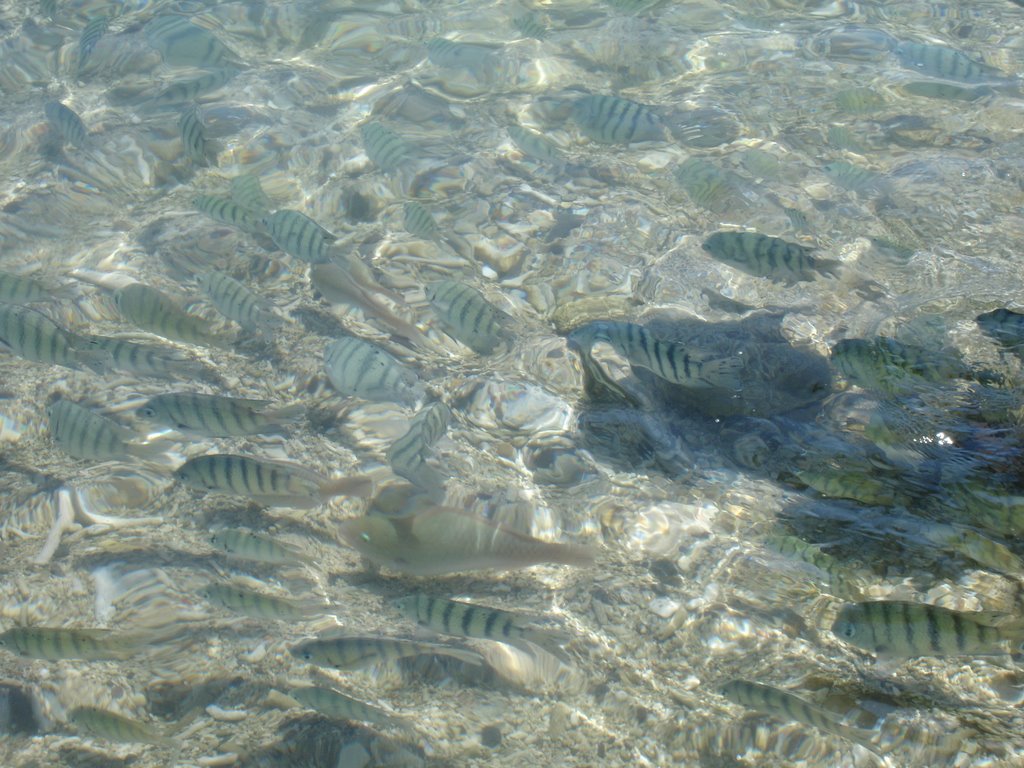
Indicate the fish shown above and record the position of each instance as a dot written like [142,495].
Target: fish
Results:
[932,89]
[33,336]
[860,101]
[185,91]
[93,30]
[298,235]
[531,25]
[667,360]
[764,256]
[708,185]
[467,316]
[453,617]
[904,630]
[238,303]
[353,283]
[850,483]
[974,546]
[245,545]
[999,512]
[87,435]
[155,312]
[193,136]
[218,416]
[453,54]
[854,177]
[332,703]
[362,651]
[1003,326]
[228,211]
[257,605]
[943,62]
[841,581]
[385,148]
[56,643]
[614,120]
[888,365]
[442,540]
[18,289]
[536,145]
[418,221]
[247,192]
[360,368]
[146,359]
[181,43]
[66,122]
[104,724]
[788,706]
[273,483]
[407,455]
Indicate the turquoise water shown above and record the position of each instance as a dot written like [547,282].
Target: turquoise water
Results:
[880,139]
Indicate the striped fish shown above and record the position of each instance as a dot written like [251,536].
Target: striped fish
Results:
[419,222]
[257,605]
[787,706]
[87,435]
[764,256]
[854,177]
[469,317]
[298,235]
[33,336]
[360,368]
[245,545]
[238,303]
[385,148]
[193,136]
[332,703]
[840,579]
[360,651]
[668,360]
[66,123]
[441,540]
[247,192]
[407,455]
[903,630]
[943,62]
[185,91]
[153,311]
[227,211]
[708,185]
[452,617]
[536,145]
[217,416]
[18,289]
[56,643]
[531,25]
[273,483]
[182,43]
[614,120]
[453,54]
[146,359]
[94,29]
[111,726]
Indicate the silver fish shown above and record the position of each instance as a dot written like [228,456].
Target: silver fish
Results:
[182,43]
[469,317]
[441,540]
[298,235]
[763,256]
[244,545]
[238,303]
[273,483]
[332,703]
[457,55]
[227,211]
[91,33]
[185,91]
[218,416]
[257,605]
[153,311]
[111,726]
[33,336]
[536,145]
[666,359]
[360,368]
[87,435]
[943,62]
[56,643]
[146,359]
[385,148]
[247,191]
[407,455]
[18,289]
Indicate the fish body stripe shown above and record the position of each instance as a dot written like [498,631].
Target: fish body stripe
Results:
[227,211]
[385,148]
[298,235]
[66,122]
[615,120]
[91,34]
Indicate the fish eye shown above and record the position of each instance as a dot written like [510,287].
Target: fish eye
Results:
[146,412]
[848,629]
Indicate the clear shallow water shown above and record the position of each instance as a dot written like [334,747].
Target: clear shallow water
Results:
[686,594]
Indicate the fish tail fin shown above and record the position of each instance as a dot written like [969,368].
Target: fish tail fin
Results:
[724,373]
[288,414]
[862,737]
[146,450]
[359,486]
[551,641]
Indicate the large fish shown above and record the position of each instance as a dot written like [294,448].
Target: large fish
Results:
[444,540]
